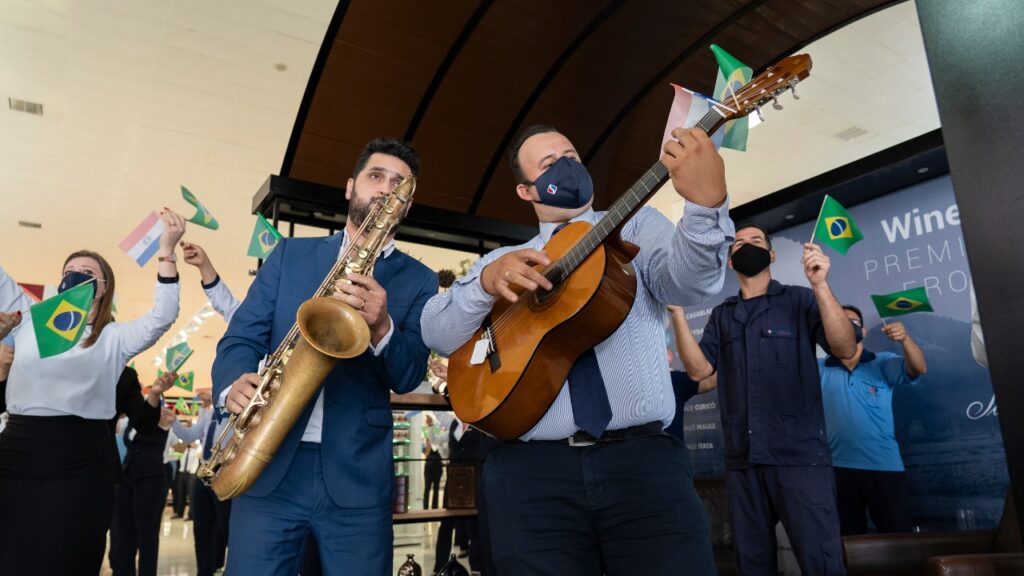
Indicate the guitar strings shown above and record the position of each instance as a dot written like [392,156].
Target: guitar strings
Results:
[583,248]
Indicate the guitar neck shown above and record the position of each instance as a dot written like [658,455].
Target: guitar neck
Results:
[623,208]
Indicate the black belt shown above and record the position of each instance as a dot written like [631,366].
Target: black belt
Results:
[582,438]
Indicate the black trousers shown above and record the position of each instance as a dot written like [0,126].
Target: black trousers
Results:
[183,481]
[883,495]
[56,495]
[432,471]
[618,508]
[138,509]
[804,499]
[210,528]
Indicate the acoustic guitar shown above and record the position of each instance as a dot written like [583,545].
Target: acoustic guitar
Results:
[504,379]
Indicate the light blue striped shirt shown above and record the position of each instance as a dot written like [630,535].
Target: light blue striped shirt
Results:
[682,266]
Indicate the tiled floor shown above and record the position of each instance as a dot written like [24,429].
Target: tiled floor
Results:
[177,552]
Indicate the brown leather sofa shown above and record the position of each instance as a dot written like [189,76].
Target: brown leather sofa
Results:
[978,552]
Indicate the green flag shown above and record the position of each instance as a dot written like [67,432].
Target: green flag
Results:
[264,238]
[203,216]
[181,407]
[195,408]
[835,226]
[176,356]
[186,380]
[900,303]
[732,75]
[60,321]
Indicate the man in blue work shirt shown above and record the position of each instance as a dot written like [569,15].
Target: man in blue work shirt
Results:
[761,346]
[858,410]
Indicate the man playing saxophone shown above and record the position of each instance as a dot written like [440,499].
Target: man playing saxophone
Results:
[332,474]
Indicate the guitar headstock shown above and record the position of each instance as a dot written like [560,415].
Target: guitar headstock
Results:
[766,87]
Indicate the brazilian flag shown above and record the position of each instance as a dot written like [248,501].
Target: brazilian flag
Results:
[900,303]
[732,75]
[181,407]
[264,238]
[176,356]
[835,226]
[203,216]
[60,321]
[186,380]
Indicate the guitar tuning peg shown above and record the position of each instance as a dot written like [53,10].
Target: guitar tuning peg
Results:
[775,103]
[795,95]
[760,115]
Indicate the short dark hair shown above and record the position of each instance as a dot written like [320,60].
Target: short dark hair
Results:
[743,225]
[856,311]
[513,153]
[400,149]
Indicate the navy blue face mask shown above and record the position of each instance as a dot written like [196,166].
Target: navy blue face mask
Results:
[72,279]
[858,331]
[565,184]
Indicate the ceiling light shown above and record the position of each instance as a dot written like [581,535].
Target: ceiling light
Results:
[25,106]
[789,216]
[27,224]
[851,133]
[922,170]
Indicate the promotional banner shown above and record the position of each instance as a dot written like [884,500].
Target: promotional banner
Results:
[946,426]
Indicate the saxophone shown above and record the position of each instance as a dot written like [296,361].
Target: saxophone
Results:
[325,330]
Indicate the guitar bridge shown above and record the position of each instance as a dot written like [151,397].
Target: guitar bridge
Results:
[485,349]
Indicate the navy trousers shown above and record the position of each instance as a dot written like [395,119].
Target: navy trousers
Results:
[210,527]
[804,499]
[618,509]
[267,535]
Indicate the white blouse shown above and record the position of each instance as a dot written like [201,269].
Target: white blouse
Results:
[81,381]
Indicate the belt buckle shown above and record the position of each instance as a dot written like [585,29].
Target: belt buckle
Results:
[580,443]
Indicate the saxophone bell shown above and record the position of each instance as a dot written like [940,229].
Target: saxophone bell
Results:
[333,327]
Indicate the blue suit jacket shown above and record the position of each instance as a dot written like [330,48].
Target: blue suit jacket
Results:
[356,438]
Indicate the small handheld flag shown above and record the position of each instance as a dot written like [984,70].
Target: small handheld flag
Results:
[732,75]
[203,216]
[60,321]
[181,407]
[688,107]
[264,238]
[143,242]
[195,408]
[903,302]
[835,227]
[177,355]
[186,380]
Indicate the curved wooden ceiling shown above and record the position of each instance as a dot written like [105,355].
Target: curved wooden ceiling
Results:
[461,78]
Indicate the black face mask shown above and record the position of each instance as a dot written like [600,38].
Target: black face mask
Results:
[750,260]
[565,184]
[858,332]
[72,279]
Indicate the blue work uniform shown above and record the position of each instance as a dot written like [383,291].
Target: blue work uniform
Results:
[778,463]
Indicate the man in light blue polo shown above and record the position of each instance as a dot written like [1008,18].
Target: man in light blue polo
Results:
[857,395]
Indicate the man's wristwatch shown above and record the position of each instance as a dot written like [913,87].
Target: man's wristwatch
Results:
[172,258]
